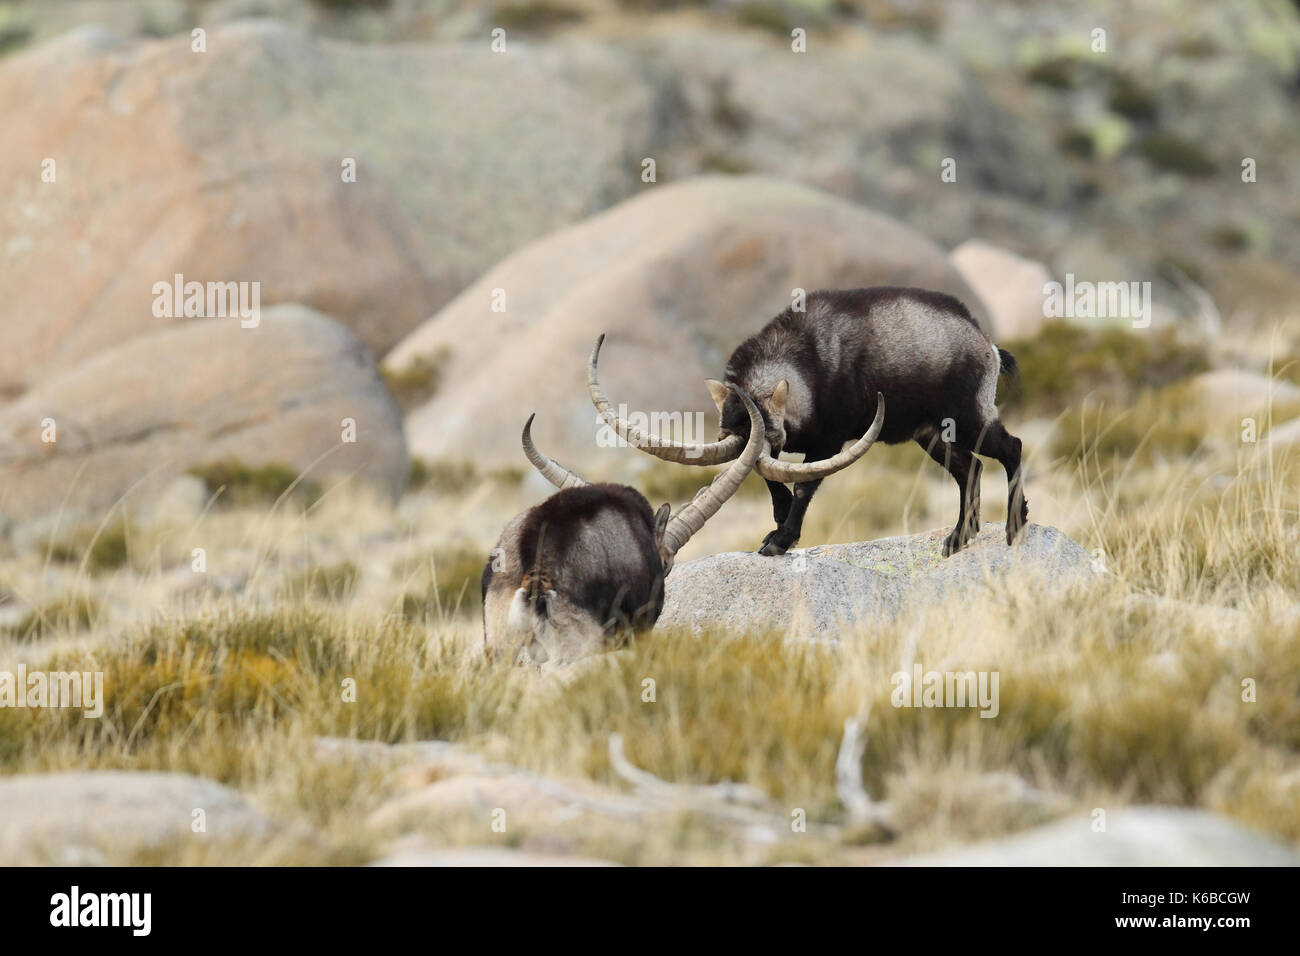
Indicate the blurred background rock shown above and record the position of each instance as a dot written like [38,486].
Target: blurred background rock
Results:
[1115,166]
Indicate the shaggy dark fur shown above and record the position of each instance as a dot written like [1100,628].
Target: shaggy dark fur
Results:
[594,547]
[922,350]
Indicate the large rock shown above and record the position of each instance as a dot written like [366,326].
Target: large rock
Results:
[835,118]
[1234,391]
[533,797]
[1286,435]
[678,277]
[1137,836]
[134,417]
[106,816]
[228,165]
[813,592]
[1011,286]
[482,856]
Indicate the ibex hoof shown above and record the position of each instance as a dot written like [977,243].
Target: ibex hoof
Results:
[778,542]
[954,543]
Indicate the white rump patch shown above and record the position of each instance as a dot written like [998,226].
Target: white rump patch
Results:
[987,395]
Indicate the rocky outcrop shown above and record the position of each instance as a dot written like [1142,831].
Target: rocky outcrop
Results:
[815,592]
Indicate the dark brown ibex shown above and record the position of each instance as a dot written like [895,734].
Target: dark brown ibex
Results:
[814,373]
[588,564]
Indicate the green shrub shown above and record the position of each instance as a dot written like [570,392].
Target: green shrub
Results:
[1168,424]
[251,485]
[1129,99]
[772,17]
[69,613]
[1287,367]
[350,6]
[196,695]
[677,484]
[1228,238]
[417,382]
[1177,155]
[13,37]
[458,477]
[102,550]
[534,14]
[448,477]
[454,587]
[724,163]
[1065,362]
[1196,47]
[1078,142]
[1058,73]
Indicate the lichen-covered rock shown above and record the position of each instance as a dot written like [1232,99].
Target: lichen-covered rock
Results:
[816,591]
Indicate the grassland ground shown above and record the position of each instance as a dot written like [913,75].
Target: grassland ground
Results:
[1133,690]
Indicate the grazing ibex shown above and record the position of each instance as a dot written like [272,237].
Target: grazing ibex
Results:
[814,373]
[589,562]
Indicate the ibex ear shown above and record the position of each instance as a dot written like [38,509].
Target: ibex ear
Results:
[661,522]
[776,404]
[719,393]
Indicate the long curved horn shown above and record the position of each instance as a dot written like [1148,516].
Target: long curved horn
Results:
[710,498]
[786,472]
[553,472]
[685,453]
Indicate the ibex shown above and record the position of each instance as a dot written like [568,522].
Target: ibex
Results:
[588,563]
[813,372]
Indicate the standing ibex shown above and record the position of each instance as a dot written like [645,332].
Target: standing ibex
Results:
[589,562]
[814,372]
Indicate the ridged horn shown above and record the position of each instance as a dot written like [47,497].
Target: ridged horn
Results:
[787,472]
[551,470]
[710,498]
[685,453]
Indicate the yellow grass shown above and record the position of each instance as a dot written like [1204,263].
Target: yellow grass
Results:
[1129,691]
